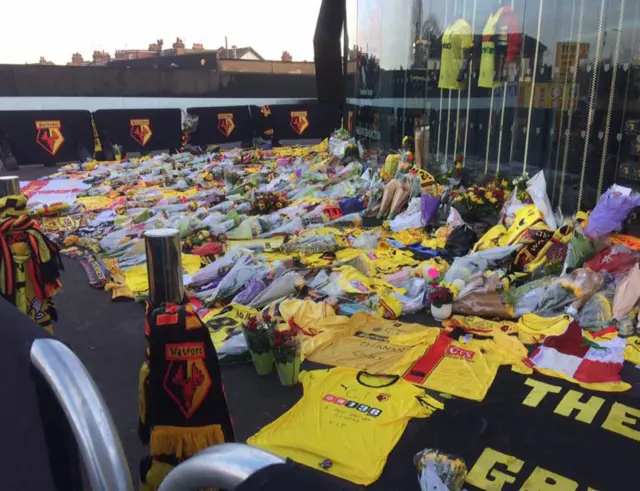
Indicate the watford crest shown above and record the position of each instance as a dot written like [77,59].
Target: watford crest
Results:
[187,380]
[141,130]
[266,111]
[49,136]
[226,124]
[299,121]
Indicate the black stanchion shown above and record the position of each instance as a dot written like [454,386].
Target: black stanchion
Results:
[263,122]
[47,137]
[140,130]
[217,125]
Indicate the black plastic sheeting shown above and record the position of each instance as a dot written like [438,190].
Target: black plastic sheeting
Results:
[47,137]
[140,130]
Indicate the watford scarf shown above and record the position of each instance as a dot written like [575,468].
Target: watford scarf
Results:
[30,263]
[183,408]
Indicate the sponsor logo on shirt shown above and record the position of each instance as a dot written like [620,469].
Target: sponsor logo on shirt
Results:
[459,353]
[488,50]
[446,45]
[342,401]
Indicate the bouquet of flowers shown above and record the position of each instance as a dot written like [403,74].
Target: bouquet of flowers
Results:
[520,188]
[351,153]
[258,336]
[440,296]
[265,203]
[455,172]
[481,200]
[287,354]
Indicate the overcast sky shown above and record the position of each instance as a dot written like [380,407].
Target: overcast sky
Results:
[57,29]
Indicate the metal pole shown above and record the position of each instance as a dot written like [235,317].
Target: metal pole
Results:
[164,266]
[592,98]
[446,20]
[9,186]
[446,145]
[533,89]
[572,104]
[490,126]
[466,123]
[564,107]
[345,64]
[612,95]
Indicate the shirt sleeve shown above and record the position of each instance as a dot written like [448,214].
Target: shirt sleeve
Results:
[310,377]
[425,405]
[466,37]
[426,337]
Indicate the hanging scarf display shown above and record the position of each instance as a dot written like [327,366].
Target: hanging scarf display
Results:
[183,408]
[30,263]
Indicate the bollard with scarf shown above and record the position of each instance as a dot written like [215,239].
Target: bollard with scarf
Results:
[183,408]
[30,263]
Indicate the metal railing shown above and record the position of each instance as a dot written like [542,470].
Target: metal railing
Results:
[223,466]
[87,413]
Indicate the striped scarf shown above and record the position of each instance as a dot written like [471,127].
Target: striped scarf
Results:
[18,230]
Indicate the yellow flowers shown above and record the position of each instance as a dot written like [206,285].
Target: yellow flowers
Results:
[70,240]
[455,291]
[459,165]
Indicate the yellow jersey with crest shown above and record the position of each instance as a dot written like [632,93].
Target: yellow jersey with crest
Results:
[457,38]
[346,423]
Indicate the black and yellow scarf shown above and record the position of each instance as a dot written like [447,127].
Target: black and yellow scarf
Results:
[30,263]
[183,408]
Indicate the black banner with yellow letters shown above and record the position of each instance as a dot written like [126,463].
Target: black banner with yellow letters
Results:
[140,130]
[541,433]
[218,125]
[47,137]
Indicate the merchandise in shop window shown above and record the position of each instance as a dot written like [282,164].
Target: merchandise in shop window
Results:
[501,42]
[347,422]
[457,49]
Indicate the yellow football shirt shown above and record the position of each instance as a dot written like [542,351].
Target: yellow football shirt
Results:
[346,423]
[229,320]
[464,367]
[487,60]
[533,328]
[363,342]
[457,38]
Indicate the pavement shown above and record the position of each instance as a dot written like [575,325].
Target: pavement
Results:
[109,338]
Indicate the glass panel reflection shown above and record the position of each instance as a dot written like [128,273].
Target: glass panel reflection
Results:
[510,86]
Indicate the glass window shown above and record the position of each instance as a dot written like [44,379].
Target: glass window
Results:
[512,86]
